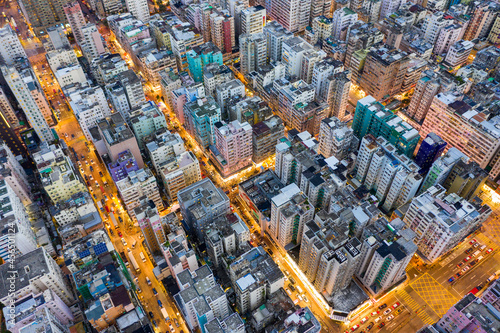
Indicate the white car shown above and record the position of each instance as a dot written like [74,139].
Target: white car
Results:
[124,241]
[386,312]
[378,319]
[391,317]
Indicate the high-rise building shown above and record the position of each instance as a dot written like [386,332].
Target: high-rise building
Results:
[339,85]
[448,36]
[15,219]
[336,139]
[14,174]
[162,146]
[151,224]
[214,75]
[395,178]
[265,134]
[480,15]
[201,116]
[441,168]
[423,95]
[183,37]
[293,51]
[138,8]
[136,185]
[371,117]
[200,56]
[275,35]
[458,53]
[93,45]
[59,179]
[321,76]
[179,172]
[253,20]
[11,46]
[24,84]
[387,7]
[293,15]
[56,39]
[290,211]
[75,18]
[467,129]
[37,272]
[342,19]
[226,93]
[146,120]
[430,150]
[42,14]
[297,93]
[389,261]
[7,110]
[383,72]
[442,221]
[222,31]
[465,179]
[320,8]
[233,147]
[201,203]
[253,52]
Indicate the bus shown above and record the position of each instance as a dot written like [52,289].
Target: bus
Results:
[133,262]
[113,220]
[299,289]
[165,314]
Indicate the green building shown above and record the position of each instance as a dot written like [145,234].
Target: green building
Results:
[372,117]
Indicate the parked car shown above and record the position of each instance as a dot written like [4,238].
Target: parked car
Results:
[467,258]
[155,292]
[382,324]
[364,320]
[450,280]
[395,305]
[160,304]
[374,313]
[391,317]
[386,312]
[151,315]
[383,306]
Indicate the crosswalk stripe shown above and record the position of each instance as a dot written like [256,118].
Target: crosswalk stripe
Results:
[409,301]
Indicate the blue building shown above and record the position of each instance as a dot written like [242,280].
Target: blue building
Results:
[200,56]
[201,116]
[371,117]
[431,148]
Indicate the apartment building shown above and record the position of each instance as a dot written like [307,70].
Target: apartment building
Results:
[14,174]
[138,8]
[233,147]
[336,139]
[265,135]
[151,224]
[146,120]
[75,18]
[342,20]
[467,128]
[11,46]
[180,171]
[153,62]
[275,35]
[291,95]
[459,53]
[42,15]
[228,92]
[58,177]
[201,56]
[162,146]
[293,15]
[93,43]
[7,110]
[384,72]
[394,177]
[371,117]
[441,221]
[252,20]
[201,116]
[253,52]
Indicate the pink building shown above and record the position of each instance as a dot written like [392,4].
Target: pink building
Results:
[233,147]
[492,295]
[26,310]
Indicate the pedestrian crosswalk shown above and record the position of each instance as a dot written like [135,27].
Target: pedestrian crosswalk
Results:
[412,305]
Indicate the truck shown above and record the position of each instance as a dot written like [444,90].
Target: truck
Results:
[133,262]
[99,204]
[476,253]
[165,314]
[112,217]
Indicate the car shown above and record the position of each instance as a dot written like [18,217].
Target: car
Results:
[151,315]
[86,162]
[292,281]
[378,319]
[83,157]
[460,264]
[92,161]
[476,245]
[391,317]
[102,201]
[86,177]
[120,219]
[364,320]
[148,281]
[111,195]
[105,197]
[154,323]
[139,290]
[88,183]
[450,280]
[383,306]
[473,262]
[386,312]
[91,168]
[160,304]
[458,275]
[355,327]
[91,178]
[472,241]
[395,305]
[95,196]
[398,311]
[72,136]
[171,327]
[374,313]
[370,326]
[120,234]
[124,242]
[100,174]
[305,299]
[467,258]
[382,324]
[465,269]
[292,288]
[469,250]
[489,250]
